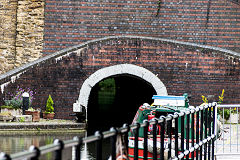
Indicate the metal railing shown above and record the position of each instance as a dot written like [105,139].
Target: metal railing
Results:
[228,144]
[200,144]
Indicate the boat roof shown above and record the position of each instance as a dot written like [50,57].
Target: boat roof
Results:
[169,100]
[169,97]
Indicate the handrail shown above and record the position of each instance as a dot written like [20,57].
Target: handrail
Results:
[59,145]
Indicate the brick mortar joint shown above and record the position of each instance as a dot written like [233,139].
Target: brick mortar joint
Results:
[63,52]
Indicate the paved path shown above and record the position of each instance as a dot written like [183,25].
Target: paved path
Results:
[228,146]
[43,124]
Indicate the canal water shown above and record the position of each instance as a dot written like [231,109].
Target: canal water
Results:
[112,103]
[17,143]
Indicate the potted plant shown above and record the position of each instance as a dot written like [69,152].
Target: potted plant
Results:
[49,112]
[35,114]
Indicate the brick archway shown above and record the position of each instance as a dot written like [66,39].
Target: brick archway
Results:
[130,69]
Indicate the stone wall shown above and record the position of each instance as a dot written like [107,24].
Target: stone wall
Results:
[21,32]
[182,67]
[8,10]
[30,24]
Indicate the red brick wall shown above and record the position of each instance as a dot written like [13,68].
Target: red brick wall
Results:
[208,22]
[182,68]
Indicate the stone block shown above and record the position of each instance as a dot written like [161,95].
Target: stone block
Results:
[6,118]
[23,118]
[13,112]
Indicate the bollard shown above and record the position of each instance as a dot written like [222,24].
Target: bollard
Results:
[25,96]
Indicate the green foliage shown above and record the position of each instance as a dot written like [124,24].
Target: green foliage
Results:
[15,103]
[16,100]
[49,106]
[205,100]
[221,97]
[220,110]
[22,119]
[31,109]
[49,140]
[159,7]
[234,110]
[107,84]
[8,107]
[226,113]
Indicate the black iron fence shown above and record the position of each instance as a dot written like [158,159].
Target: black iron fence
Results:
[192,139]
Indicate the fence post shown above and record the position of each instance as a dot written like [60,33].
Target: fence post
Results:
[113,142]
[187,134]
[126,126]
[182,132]
[136,141]
[192,131]
[169,133]
[99,145]
[197,130]
[206,129]
[35,149]
[145,151]
[78,148]
[201,131]
[59,151]
[176,134]
[209,130]
[5,156]
[155,139]
[213,129]
[162,126]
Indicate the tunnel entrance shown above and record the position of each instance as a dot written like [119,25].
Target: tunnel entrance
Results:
[115,100]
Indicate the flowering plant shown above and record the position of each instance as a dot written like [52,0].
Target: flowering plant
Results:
[226,112]
[17,98]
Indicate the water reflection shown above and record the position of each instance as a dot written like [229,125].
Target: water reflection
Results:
[17,143]
[89,150]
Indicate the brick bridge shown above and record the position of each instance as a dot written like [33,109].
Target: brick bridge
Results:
[142,66]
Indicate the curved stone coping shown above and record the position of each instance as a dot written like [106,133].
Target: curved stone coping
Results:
[21,69]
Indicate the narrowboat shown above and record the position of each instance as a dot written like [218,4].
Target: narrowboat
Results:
[162,106]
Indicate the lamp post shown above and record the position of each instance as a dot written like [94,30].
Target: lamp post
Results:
[25,96]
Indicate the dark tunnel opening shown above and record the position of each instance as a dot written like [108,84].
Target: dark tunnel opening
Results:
[115,101]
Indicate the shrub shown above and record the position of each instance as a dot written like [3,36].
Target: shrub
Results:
[16,101]
[49,106]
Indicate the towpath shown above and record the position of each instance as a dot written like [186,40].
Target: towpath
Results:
[56,125]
